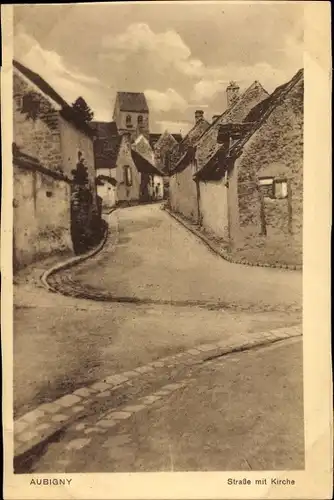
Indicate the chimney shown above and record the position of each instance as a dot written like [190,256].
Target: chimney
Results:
[232,93]
[199,115]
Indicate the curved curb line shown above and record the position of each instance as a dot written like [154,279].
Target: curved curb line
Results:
[48,419]
[225,255]
[71,262]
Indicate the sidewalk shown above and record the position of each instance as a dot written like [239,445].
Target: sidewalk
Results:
[239,412]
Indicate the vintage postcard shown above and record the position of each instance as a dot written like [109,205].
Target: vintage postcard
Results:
[165,250]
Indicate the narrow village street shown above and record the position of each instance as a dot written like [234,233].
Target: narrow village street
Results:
[152,293]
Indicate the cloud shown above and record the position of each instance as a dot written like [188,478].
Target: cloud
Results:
[68,82]
[165,49]
[174,127]
[206,89]
[165,101]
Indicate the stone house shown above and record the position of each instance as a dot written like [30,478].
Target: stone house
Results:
[134,173]
[162,145]
[182,189]
[257,173]
[48,140]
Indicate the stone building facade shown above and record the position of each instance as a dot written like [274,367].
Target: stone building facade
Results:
[258,172]
[48,137]
[268,170]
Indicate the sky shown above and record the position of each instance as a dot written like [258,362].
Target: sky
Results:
[181,55]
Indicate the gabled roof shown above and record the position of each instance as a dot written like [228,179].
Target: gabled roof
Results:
[142,146]
[162,147]
[261,112]
[67,111]
[132,101]
[106,151]
[207,145]
[254,120]
[180,150]
[106,144]
[104,129]
[155,137]
[143,165]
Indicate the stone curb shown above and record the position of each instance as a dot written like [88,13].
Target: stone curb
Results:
[224,254]
[39,425]
[61,266]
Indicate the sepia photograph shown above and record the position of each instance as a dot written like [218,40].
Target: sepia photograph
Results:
[158,156]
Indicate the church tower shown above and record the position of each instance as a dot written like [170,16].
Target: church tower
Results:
[131,114]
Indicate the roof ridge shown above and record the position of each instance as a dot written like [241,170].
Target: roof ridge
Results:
[287,88]
[26,71]
[195,125]
[237,101]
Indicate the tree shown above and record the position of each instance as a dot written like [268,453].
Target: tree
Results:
[83,110]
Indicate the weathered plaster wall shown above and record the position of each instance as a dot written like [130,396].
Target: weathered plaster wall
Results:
[108,193]
[41,216]
[124,192]
[73,141]
[183,193]
[109,172]
[213,208]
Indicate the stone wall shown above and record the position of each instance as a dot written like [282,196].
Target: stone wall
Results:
[36,134]
[213,208]
[42,224]
[125,192]
[279,141]
[183,193]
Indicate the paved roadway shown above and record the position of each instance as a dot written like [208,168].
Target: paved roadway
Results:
[177,294]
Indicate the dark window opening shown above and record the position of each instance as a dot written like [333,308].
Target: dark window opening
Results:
[127,175]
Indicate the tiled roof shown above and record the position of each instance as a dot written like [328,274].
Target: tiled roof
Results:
[106,144]
[143,165]
[154,138]
[106,151]
[207,145]
[261,112]
[67,110]
[104,129]
[162,147]
[255,118]
[190,139]
[142,146]
[132,101]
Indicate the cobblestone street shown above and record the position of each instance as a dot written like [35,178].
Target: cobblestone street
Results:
[146,304]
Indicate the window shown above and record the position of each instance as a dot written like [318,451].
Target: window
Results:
[273,188]
[280,189]
[127,176]
[266,186]
[140,120]
[128,121]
